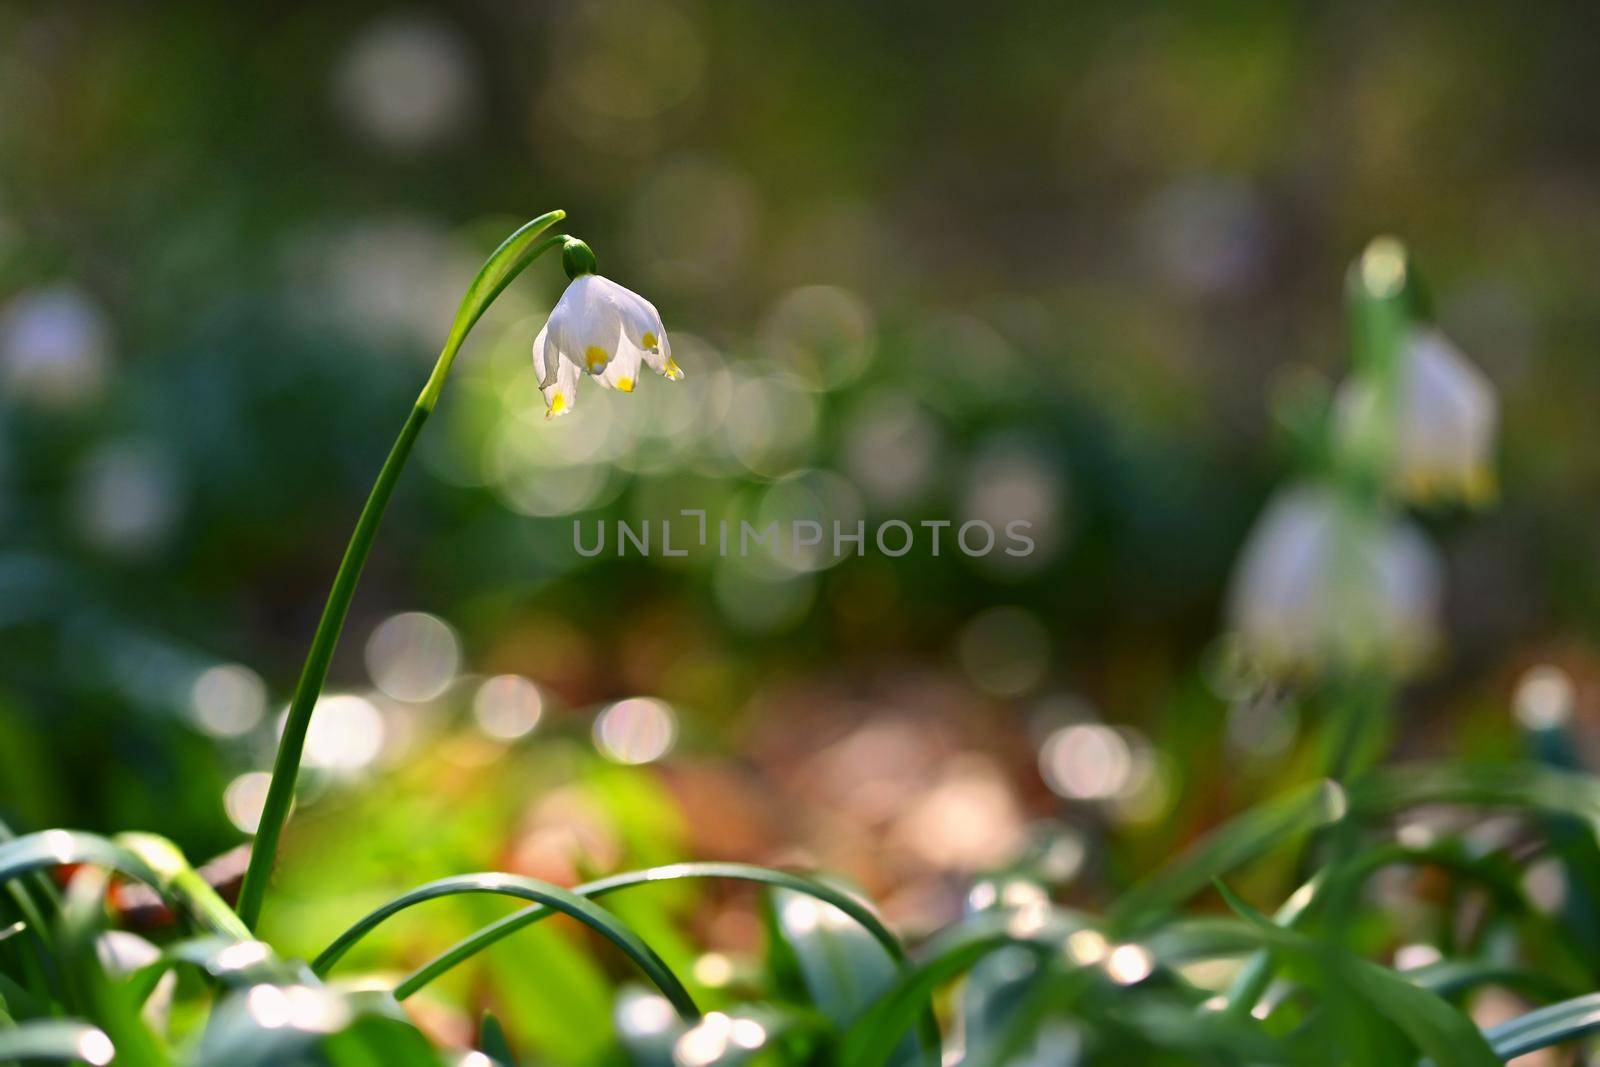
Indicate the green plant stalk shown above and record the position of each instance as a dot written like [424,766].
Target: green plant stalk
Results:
[286,767]
[1379,294]
[1378,304]
[502,266]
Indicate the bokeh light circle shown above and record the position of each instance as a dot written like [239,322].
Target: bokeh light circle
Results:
[228,700]
[636,730]
[413,656]
[507,706]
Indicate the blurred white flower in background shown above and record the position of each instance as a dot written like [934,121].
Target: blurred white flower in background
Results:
[599,327]
[1445,416]
[1321,585]
[408,83]
[54,347]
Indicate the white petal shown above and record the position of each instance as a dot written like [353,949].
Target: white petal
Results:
[596,326]
[561,395]
[663,363]
[558,340]
[640,318]
[1410,576]
[584,325]
[641,325]
[545,358]
[1320,584]
[622,373]
[1445,413]
[1274,601]
[1447,418]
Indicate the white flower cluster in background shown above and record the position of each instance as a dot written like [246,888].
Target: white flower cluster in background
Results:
[1332,577]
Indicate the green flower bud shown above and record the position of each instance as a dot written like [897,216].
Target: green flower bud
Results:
[576,258]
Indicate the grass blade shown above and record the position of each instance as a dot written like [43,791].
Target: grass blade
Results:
[1432,1025]
[1236,842]
[482,939]
[59,848]
[233,963]
[92,991]
[58,1040]
[1514,785]
[184,885]
[1449,977]
[552,897]
[843,970]
[492,1041]
[1547,1026]
[875,1034]
[31,896]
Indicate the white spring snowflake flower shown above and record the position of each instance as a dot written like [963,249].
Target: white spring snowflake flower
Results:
[602,328]
[1445,416]
[1322,585]
[1448,414]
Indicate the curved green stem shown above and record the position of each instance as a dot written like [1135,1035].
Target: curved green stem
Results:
[551,899]
[502,266]
[482,939]
[286,767]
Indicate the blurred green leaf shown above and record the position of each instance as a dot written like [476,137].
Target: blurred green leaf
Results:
[60,1040]
[492,1040]
[1241,839]
[1519,785]
[878,1033]
[1546,1027]
[1436,1028]
[844,967]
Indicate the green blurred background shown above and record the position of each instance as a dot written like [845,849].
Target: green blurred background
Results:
[1045,261]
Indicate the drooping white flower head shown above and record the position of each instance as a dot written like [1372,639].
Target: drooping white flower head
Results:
[1445,415]
[1322,585]
[599,327]
[1448,415]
